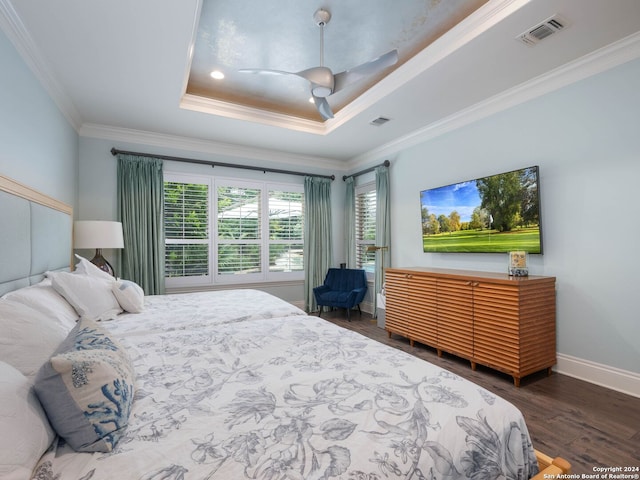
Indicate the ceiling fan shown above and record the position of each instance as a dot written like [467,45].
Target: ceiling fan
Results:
[323,81]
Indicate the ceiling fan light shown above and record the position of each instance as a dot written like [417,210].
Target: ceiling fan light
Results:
[320,91]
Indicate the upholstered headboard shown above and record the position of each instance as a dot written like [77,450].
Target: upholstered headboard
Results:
[35,235]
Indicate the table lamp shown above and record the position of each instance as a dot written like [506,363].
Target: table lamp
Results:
[98,234]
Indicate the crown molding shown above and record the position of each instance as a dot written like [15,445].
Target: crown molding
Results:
[141,137]
[252,114]
[596,62]
[17,33]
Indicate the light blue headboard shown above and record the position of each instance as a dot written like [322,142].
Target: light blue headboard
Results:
[35,235]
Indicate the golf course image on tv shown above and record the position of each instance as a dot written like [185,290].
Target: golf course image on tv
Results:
[498,213]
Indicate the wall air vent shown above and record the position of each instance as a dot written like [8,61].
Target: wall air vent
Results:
[379,121]
[541,31]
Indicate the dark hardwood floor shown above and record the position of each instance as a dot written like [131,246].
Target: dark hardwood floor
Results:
[588,425]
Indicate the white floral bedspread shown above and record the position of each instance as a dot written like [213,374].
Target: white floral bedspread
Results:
[294,398]
[192,310]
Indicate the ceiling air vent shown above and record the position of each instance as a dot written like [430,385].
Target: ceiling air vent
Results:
[379,121]
[541,31]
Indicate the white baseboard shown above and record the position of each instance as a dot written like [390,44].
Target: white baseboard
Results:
[367,307]
[603,375]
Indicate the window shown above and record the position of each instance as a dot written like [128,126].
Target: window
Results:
[239,230]
[186,224]
[286,227]
[227,231]
[365,226]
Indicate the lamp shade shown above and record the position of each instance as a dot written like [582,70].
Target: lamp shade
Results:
[97,234]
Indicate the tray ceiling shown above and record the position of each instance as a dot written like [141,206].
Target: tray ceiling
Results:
[283,35]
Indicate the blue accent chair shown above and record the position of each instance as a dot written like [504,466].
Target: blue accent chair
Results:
[342,288]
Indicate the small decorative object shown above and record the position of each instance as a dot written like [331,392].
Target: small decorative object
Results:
[518,263]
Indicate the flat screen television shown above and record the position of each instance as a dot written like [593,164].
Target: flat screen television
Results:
[499,213]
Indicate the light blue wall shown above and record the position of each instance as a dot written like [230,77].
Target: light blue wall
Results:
[38,147]
[586,140]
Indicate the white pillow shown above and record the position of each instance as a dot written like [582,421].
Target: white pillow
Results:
[45,299]
[130,296]
[84,266]
[27,337]
[90,296]
[26,433]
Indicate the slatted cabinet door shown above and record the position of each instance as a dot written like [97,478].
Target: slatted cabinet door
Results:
[422,309]
[411,307]
[497,326]
[514,326]
[537,327]
[396,303]
[455,317]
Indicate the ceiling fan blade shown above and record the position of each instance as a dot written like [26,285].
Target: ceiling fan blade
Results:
[372,67]
[321,78]
[262,71]
[323,107]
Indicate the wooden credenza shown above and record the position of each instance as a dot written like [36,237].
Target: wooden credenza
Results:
[505,323]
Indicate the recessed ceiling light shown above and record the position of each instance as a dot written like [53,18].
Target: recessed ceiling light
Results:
[217,74]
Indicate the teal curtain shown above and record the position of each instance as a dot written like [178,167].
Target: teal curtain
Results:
[383,228]
[141,211]
[317,236]
[350,222]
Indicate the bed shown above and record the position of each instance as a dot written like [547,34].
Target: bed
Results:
[224,385]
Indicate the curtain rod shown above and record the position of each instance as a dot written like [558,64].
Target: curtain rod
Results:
[386,163]
[115,152]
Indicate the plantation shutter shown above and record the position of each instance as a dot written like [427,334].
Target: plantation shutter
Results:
[186,224]
[365,227]
[239,230]
[286,229]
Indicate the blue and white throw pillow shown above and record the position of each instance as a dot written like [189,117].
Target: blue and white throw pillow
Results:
[87,389]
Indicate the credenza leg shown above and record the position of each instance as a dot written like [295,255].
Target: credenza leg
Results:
[516,381]
[473,366]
